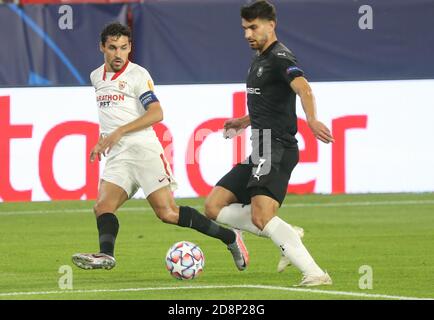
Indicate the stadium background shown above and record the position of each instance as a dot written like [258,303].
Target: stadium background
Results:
[374,89]
[373,86]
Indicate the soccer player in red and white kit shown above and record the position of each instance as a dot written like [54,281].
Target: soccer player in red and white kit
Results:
[127,109]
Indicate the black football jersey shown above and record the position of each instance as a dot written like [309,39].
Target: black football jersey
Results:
[270,99]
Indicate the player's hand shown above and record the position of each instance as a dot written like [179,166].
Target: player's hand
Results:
[96,150]
[94,153]
[320,131]
[108,142]
[232,128]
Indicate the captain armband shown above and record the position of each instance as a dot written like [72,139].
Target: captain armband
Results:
[147,98]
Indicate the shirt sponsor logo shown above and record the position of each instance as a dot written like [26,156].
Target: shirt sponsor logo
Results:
[254,90]
[104,104]
[110,97]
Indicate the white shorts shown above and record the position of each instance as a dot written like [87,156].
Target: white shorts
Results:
[139,165]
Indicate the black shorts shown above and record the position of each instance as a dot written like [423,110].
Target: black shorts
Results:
[251,178]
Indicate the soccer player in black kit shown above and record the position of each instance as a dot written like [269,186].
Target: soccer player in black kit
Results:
[249,196]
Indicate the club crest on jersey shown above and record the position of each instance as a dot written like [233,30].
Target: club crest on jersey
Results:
[260,71]
[122,85]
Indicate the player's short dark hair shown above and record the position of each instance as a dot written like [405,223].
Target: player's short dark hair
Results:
[115,29]
[261,9]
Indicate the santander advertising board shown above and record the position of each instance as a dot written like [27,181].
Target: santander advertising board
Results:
[46,135]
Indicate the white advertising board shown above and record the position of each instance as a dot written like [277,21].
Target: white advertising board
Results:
[383,132]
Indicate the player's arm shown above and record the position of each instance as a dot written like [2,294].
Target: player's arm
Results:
[153,115]
[237,123]
[235,126]
[96,150]
[302,88]
[144,90]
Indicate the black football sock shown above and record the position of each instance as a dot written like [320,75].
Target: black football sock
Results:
[191,218]
[108,227]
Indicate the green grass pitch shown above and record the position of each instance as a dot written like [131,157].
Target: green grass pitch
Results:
[393,234]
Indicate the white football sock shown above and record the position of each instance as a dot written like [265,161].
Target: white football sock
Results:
[287,239]
[239,216]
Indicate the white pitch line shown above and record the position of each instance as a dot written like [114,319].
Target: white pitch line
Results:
[327,292]
[287,205]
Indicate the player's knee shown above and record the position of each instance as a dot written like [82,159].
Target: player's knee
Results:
[259,221]
[212,209]
[261,215]
[101,207]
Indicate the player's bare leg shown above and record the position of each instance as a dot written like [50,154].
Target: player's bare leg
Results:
[164,205]
[110,198]
[166,209]
[264,216]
